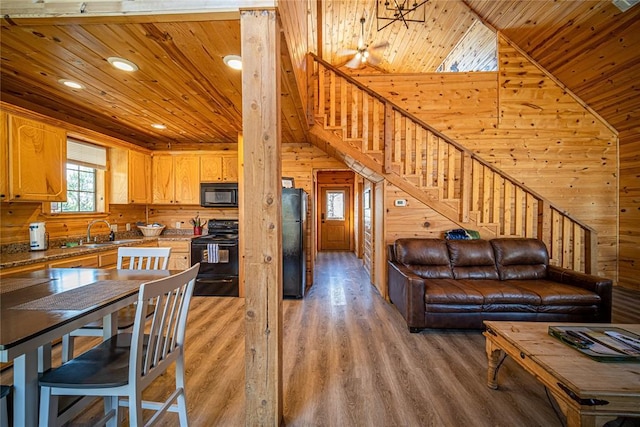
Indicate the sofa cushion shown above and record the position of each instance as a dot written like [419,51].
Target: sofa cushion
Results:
[427,258]
[520,258]
[556,294]
[477,295]
[472,259]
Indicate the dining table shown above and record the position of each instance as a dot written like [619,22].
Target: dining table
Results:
[39,307]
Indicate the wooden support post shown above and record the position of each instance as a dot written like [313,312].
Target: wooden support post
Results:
[260,210]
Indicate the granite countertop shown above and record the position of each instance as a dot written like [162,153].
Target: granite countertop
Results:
[17,259]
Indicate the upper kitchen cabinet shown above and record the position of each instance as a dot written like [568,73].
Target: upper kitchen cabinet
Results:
[214,168]
[4,156]
[176,179]
[130,177]
[37,155]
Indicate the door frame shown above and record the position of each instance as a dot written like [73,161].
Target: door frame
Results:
[317,200]
[350,201]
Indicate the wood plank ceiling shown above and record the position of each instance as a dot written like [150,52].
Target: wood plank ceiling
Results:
[590,46]
[182,81]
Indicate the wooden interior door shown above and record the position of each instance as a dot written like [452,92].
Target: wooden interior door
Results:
[335,219]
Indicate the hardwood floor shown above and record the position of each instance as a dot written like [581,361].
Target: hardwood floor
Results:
[349,360]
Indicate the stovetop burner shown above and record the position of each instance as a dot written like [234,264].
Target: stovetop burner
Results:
[220,229]
[220,225]
[217,238]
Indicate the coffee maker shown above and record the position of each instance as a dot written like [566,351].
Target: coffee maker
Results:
[37,236]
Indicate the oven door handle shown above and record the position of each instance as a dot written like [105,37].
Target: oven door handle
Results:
[214,280]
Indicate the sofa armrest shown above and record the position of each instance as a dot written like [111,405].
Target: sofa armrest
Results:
[406,291]
[600,285]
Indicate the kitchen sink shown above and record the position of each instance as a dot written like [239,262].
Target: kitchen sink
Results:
[121,242]
[104,244]
[95,245]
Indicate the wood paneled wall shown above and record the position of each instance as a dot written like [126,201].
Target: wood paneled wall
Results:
[526,124]
[629,249]
[413,220]
[297,18]
[15,219]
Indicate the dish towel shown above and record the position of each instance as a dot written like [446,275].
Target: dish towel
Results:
[212,256]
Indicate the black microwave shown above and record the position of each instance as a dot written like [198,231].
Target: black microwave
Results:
[219,194]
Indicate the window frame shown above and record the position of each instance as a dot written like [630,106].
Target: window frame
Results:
[101,204]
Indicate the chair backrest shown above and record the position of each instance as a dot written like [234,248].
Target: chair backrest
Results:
[143,258]
[153,352]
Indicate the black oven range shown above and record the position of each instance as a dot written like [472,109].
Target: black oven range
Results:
[217,253]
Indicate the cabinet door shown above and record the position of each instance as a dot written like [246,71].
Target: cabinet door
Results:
[180,258]
[163,179]
[87,261]
[210,168]
[108,259]
[38,158]
[139,177]
[21,269]
[230,169]
[119,170]
[4,157]
[187,180]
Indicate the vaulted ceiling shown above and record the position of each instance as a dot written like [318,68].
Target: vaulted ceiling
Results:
[182,82]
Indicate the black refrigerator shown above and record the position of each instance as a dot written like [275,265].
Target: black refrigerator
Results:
[294,261]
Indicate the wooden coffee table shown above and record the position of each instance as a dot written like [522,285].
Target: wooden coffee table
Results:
[588,392]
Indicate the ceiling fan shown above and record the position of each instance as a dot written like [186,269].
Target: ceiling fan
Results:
[363,54]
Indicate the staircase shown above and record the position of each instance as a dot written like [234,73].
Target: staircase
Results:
[381,141]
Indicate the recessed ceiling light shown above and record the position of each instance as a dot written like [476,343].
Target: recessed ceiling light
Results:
[158,126]
[122,64]
[233,61]
[71,84]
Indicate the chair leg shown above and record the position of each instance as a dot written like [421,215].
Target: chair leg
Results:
[182,398]
[67,348]
[135,408]
[48,407]
[44,358]
[111,404]
[182,410]
[4,413]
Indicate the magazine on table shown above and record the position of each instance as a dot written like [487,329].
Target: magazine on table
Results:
[602,343]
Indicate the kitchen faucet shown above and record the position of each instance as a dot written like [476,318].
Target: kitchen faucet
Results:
[93,222]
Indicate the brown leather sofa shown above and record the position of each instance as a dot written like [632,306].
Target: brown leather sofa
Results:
[439,283]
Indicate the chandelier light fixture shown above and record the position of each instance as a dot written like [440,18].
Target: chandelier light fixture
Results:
[399,10]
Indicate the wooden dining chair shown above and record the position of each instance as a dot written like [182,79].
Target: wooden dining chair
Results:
[127,363]
[145,258]
[4,413]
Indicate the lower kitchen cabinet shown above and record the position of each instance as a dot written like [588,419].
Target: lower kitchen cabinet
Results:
[103,259]
[180,258]
[22,269]
[87,261]
[108,259]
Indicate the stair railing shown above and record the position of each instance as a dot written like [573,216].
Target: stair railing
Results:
[405,145]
